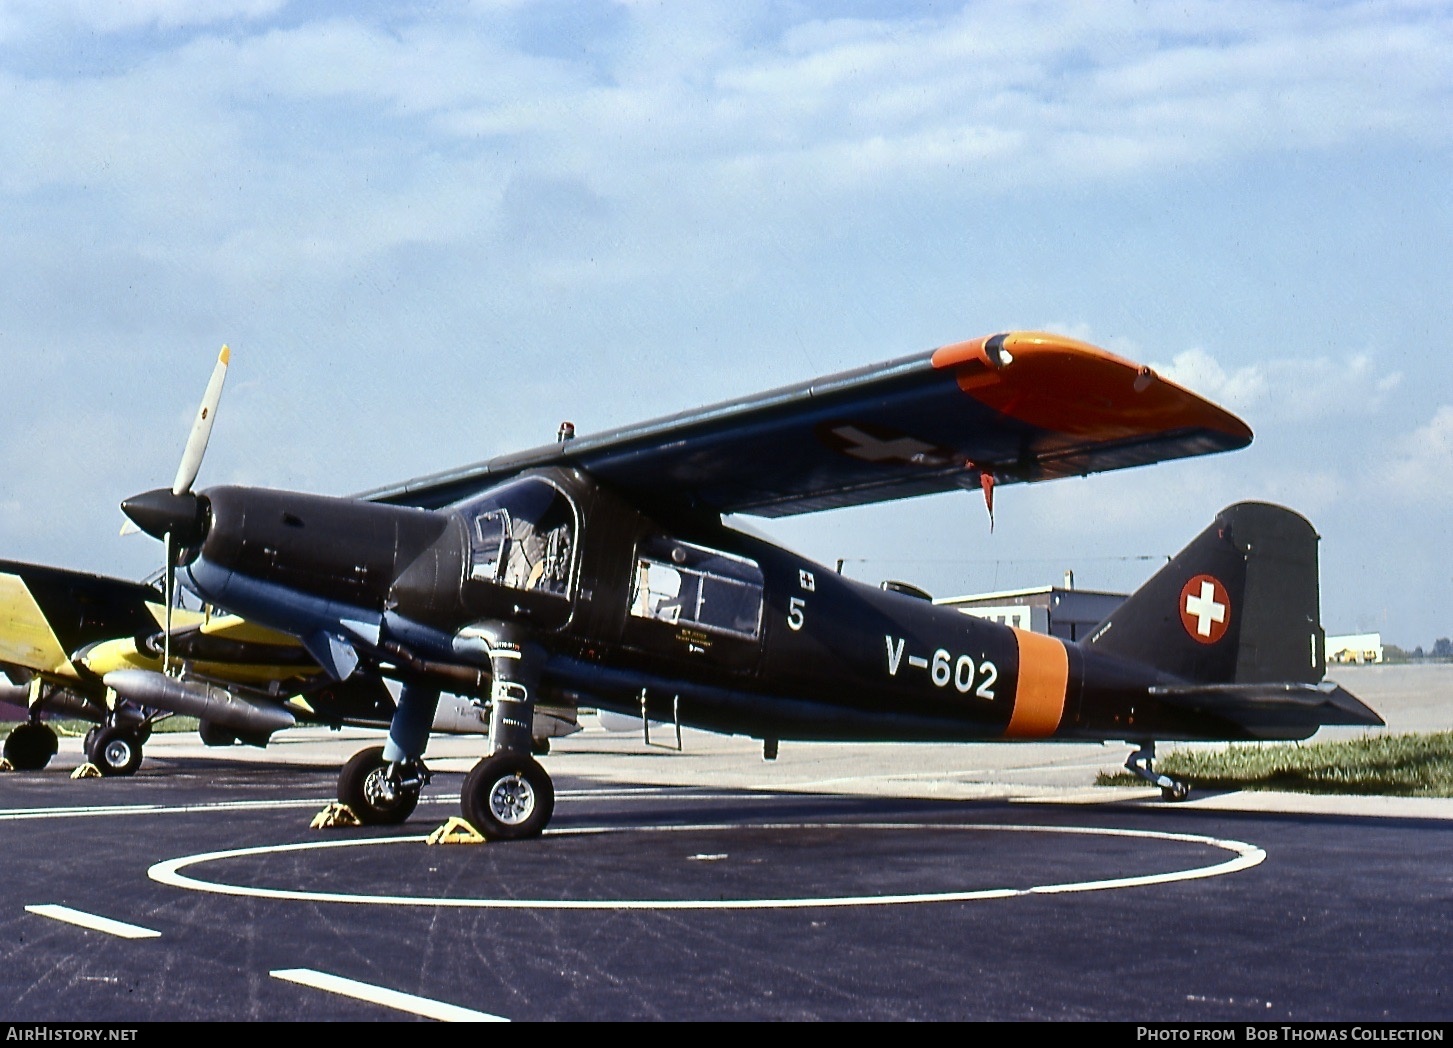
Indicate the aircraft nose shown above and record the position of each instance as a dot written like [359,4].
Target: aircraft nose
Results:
[161,512]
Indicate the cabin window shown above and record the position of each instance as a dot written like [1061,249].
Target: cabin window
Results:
[523,536]
[680,583]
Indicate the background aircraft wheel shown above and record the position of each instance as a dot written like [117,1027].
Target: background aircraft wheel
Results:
[29,747]
[89,742]
[508,797]
[115,751]
[540,747]
[1178,792]
[362,785]
[211,735]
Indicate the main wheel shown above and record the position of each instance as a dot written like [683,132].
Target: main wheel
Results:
[363,785]
[115,751]
[30,746]
[508,797]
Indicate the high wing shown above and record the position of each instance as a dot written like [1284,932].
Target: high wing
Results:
[1018,407]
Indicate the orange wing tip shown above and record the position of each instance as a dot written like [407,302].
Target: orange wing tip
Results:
[998,350]
[225,355]
[1062,383]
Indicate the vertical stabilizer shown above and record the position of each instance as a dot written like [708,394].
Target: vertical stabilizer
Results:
[1239,605]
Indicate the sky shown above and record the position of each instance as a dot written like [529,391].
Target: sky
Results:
[432,231]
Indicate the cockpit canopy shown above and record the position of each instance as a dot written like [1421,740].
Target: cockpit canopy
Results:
[522,535]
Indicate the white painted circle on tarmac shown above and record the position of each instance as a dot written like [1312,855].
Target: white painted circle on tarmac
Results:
[1243,856]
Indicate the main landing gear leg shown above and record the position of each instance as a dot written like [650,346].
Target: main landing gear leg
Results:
[1142,763]
[381,785]
[507,795]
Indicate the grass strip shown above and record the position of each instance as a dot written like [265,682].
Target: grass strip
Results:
[1413,765]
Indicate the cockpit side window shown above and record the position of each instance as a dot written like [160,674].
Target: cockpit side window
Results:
[488,541]
[523,536]
[681,583]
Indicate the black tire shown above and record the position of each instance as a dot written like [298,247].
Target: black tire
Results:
[360,786]
[540,747]
[29,746]
[115,752]
[508,797]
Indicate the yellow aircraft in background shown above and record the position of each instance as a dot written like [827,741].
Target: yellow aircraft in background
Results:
[95,648]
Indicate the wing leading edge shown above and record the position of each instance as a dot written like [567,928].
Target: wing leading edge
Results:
[1019,407]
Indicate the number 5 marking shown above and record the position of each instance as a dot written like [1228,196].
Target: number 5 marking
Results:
[794,613]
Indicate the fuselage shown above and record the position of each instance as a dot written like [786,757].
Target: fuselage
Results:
[681,614]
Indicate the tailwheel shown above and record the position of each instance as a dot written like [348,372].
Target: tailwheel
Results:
[30,746]
[1142,763]
[380,793]
[1176,791]
[508,796]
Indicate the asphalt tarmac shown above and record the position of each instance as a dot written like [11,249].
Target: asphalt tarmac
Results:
[836,882]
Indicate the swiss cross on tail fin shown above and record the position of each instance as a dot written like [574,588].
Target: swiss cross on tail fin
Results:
[1205,609]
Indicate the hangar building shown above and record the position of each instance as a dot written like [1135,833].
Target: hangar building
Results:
[1061,611]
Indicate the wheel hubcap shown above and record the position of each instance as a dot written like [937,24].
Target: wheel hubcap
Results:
[512,799]
[379,790]
[117,753]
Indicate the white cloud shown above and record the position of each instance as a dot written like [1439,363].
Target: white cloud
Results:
[1028,95]
[1421,469]
[25,18]
[1287,389]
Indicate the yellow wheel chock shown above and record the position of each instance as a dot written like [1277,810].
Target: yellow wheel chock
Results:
[86,771]
[334,815]
[456,831]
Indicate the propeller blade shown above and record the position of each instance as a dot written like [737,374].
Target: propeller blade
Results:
[202,427]
[170,589]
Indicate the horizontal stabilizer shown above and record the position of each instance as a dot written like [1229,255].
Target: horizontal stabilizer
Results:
[1259,707]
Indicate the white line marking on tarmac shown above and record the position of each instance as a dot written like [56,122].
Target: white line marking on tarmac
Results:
[13,814]
[90,920]
[404,1002]
[1244,857]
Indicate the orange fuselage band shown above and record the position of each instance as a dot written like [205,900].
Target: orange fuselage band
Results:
[1044,673]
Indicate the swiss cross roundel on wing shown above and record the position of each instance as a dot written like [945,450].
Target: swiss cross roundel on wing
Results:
[1205,609]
